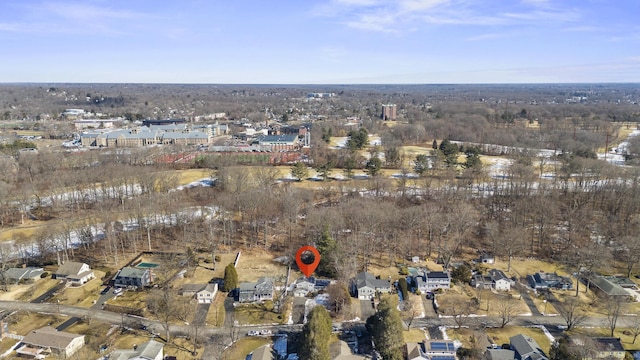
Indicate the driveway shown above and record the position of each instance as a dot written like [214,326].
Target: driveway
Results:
[366,309]
[525,292]
[297,313]
[201,314]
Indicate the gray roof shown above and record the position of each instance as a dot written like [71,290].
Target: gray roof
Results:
[368,279]
[209,288]
[606,344]
[69,268]
[499,354]
[23,273]
[262,353]
[131,272]
[608,287]
[147,350]
[438,275]
[193,287]
[526,346]
[262,282]
[50,337]
[278,138]
[497,275]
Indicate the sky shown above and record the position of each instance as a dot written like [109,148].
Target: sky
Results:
[320,41]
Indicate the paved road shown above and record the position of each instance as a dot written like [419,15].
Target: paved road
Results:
[552,322]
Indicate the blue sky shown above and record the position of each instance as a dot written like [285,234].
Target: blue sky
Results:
[320,41]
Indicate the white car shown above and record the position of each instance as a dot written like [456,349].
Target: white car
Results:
[118,291]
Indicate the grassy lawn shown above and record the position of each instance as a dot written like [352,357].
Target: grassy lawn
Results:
[132,299]
[256,314]
[413,335]
[244,346]
[216,314]
[256,263]
[37,289]
[500,336]
[6,344]
[196,275]
[82,296]
[22,322]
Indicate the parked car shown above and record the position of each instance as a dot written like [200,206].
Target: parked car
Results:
[105,290]
[253,333]
[118,291]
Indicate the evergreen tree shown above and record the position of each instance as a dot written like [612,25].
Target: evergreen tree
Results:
[299,171]
[385,326]
[473,158]
[434,145]
[230,278]
[316,335]
[450,152]
[357,139]
[374,165]
[421,164]
[326,246]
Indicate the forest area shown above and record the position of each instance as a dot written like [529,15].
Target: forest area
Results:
[588,207]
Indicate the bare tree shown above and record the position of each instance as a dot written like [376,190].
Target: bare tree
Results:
[459,309]
[573,312]
[507,310]
[613,308]
[633,323]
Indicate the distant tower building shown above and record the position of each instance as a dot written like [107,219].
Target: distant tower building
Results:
[388,112]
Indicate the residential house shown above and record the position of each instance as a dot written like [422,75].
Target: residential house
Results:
[543,281]
[15,275]
[75,273]
[204,293]
[305,286]
[431,350]
[526,348]
[262,353]
[150,350]
[207,294]
[340,350]
[366,286]
[499,354]
[606,348]
[48,341]
[495,279]
[256,291]
[486,258]
[426,281]
[134,277]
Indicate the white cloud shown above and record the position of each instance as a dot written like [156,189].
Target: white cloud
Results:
[399,15]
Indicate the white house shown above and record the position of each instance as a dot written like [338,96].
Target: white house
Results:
[207,294]
[75,273]
[45,341]
[367,286]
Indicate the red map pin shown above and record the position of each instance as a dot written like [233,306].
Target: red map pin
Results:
[307,269]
